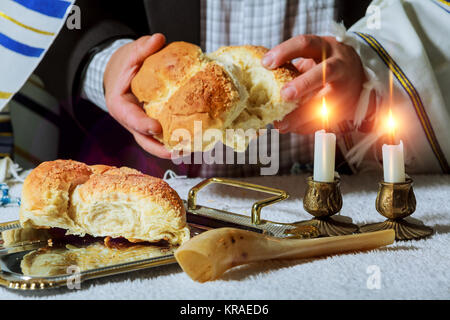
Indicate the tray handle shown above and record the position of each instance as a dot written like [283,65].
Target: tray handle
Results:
[280,195]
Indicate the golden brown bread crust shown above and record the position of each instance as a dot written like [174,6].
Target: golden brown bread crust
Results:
[60,175]
[208,96]
[115,181]
[102,201]
[103,169]
[164,69]
[100,168]
[205,92]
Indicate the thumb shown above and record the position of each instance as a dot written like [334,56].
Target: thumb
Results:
[146,46]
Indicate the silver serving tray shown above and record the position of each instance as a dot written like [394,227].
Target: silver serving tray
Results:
[48,268]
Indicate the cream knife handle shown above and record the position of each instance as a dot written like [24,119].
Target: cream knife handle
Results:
[208,255]
[299,249]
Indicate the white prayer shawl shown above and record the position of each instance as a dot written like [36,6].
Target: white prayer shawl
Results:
[27,30]
[412,39]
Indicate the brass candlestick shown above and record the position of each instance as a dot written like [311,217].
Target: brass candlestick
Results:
[323,200]
[397,201]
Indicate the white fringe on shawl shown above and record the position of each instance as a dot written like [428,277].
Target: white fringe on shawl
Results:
[356,155]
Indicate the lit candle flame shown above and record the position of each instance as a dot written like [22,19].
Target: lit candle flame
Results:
[324,109]
[324,65]
[391,87]
[391,125]
[324,112]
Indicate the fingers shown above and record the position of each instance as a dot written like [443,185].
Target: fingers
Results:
[305,46]
[307,118]
[133,117]
[146,46]
[135,120]
[121,103]
[312,79]
[125,62]
[298,118]
[151,145]
[303,84]
[303,65]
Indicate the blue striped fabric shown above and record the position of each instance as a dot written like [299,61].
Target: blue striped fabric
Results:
[443,2]
[19,47]
[51,8]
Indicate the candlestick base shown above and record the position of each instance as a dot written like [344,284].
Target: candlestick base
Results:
[404,230]
[330,226]
[323,200]
[397,201]
[302,232]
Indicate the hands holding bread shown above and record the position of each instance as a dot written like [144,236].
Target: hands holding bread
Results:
[342,85]
[172,78]
[122,104]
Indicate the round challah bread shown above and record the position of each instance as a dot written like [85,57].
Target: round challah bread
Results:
[102,201]
[226,89]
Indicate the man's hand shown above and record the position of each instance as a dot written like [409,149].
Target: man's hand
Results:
[122,104]
[339,78]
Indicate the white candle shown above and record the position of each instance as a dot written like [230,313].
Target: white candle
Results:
[324,155]
[393,163]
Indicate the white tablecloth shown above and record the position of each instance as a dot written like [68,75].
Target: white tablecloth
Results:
[407,270]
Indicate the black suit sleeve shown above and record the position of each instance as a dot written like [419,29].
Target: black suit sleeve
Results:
[101,22]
